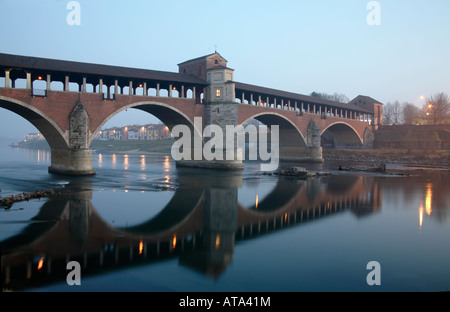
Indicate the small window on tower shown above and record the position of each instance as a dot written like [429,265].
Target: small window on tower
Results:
[217,92]
[216,62]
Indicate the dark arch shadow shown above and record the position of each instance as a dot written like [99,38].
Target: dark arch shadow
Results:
[341,184]
[290,136]
[40,224]
[184,201]
[341,135]
[285,190]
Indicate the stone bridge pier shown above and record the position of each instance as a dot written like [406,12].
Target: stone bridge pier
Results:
[76,159]
[220,110]
[313,142]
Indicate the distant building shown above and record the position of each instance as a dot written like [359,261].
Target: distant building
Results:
[136,132]
[34,137]
[109,134]
[372,105]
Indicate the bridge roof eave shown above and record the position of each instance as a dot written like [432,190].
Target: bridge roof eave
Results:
[9,61]
[244,87]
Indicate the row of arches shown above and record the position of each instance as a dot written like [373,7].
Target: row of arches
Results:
[290,136]
[302,106]
[40,84]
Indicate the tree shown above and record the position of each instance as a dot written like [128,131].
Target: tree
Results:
[387,114]
[409,112]
[336,97]
[392,113]
[437,108]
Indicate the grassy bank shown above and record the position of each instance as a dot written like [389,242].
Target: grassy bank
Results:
[160,146]
[399,156]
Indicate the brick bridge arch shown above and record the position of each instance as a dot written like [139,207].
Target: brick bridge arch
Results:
[70,120]
[344,133]
[300,133]
[55,136]
[162,108]
[288,129]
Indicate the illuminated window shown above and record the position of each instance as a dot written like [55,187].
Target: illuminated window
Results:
[217,92]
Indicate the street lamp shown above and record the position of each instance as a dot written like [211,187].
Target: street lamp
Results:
[429,112]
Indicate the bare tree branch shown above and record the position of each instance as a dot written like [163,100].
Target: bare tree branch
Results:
[437,108]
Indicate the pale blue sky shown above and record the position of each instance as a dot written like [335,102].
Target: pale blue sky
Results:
[299,46]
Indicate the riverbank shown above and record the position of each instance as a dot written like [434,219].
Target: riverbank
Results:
[439,158]
[418,158]
[423,158]
[133,146]
[126,146]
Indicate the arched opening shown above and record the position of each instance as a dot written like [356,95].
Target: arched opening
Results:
[74,87]
[57,86]
[90,87]
[141,127]
[291,142]
[18,79]
[175,92]
[104,89]
[39,84]
[128,129]
[340,135]
[164,92]
[44,138]
[189,94]
[139,90]
[15,129]
[44,125]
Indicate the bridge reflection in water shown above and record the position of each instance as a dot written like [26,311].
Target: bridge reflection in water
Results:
[200,226]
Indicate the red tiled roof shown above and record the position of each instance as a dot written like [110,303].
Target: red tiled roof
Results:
[202,57]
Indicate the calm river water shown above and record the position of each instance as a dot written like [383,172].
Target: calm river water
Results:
[142,224]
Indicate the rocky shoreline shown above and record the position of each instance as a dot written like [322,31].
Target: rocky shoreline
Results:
[9,200]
